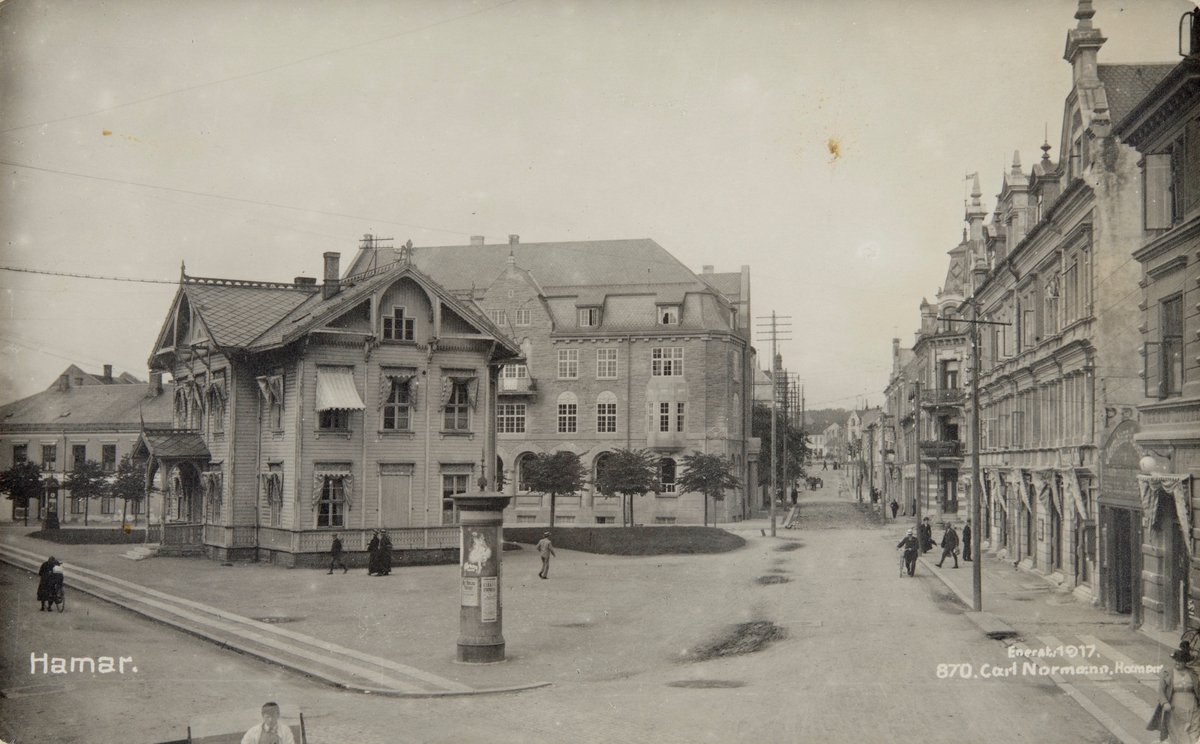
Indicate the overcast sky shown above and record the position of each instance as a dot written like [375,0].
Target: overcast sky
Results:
[823,143]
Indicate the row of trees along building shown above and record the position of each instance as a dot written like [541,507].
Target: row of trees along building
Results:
[1089,355]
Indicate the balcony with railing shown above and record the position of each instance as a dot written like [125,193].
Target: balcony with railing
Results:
[942,397]
[522,387]
[938,449]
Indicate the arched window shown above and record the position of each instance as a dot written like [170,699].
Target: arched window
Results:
[522,462]
[568,413]
[606,413]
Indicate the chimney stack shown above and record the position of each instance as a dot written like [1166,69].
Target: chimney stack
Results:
[64,383]
[306,281]
[514,239]
[707,268]
[332,280]
[476,240]
[108,373]
[156,386]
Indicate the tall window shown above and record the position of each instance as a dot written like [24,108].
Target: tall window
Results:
[510,418]
[396,327]
[458,406]
[680,411]
[332,504]
[217,396]
[49,456]
[335,419]
[664,416]
[397,410]
[667,361]
[568,413]
[666,474]
[589,317]
[568,364]
[1071,290]
[606,413]
[524,316]
[1172,345]
[452,483]
[20,453]
[78,456]
[668,315]
[271,387]
[498,317]
[606,364]
[108,456]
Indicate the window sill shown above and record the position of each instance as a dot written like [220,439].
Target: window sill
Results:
[397,342]
[457,434]
[339,433]
[396,434]
[665,495]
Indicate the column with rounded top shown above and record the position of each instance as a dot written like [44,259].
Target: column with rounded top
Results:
[481,543]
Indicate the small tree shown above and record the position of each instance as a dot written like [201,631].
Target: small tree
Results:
[709,475]
[87,481]
[555,473]
[23,483]
[628,473]
[130,484]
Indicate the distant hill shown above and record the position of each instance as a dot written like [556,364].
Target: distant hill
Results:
[816,421]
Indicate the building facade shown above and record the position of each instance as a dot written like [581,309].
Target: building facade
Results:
[81,417]
[623,348]
[299,411]
[1165,129]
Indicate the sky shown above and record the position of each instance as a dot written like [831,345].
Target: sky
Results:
[825,144]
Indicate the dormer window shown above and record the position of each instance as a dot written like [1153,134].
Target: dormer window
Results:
[397,327]
[589,317]
[668,315]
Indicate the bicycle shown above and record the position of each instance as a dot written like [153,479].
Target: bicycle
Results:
[60,595]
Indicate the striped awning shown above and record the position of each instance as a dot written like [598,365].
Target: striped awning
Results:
[336,390]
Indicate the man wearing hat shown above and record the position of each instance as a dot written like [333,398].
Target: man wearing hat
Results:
[545,549]
[911,546]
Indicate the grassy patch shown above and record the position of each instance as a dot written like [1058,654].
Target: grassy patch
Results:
[632,540]
[91,536]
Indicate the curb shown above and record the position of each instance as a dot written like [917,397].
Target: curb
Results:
[310,673]
[992,626]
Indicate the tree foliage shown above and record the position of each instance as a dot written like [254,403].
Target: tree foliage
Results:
[87,480]
[130,482]
[555,473]
[22,483]
[710,475]
[628,473]
[797,445]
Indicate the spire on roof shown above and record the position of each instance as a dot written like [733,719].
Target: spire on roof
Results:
[1016,166]
[1083,42]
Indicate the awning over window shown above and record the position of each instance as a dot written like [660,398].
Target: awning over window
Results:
[336,390]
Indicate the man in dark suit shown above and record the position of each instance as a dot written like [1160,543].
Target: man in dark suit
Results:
[949,546]
[967,540]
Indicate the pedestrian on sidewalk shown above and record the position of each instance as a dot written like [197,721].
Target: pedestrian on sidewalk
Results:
[925,535]
[48,583]
[373,554]
[545,549]
[385,553]
[335,554]
[1177,716]
[949,546]
[895,508]
[270,731]
[911,546]
[967,540]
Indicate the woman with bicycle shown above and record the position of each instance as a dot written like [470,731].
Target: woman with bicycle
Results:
[50,583]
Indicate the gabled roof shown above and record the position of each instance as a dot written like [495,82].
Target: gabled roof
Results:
[236,313]
[89,406]
[78,376]
[174,444]
[1126,85]
[729,284]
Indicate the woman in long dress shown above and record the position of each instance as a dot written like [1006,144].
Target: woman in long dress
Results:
[48,583]
[1177,690]
[373,555]
[385,553]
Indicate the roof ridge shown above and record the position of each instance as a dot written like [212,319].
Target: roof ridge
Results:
[245,283]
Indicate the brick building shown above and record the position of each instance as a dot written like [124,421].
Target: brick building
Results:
[625,347]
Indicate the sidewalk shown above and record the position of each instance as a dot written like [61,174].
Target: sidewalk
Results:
[1070,633]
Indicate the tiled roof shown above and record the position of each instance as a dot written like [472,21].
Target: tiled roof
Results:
[176,444]
[88,406]
[589,263]
[1126,85]
[239,313]
[729,284]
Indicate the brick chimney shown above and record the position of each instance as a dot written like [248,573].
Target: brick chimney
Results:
[476,240]
[108,373]
[64,383]
[306,281]
[332,281]
[707,268]
[156,385]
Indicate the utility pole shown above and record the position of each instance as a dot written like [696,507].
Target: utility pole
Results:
[976,485]
[774,328]
[787,428]
[917,442]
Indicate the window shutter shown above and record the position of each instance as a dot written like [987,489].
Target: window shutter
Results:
[1157,188]
[1191,168]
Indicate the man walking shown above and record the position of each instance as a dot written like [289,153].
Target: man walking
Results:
[967,540]
[910,545]
[545,549]
[895,508]
[335,555]
[949,546]
[925,535]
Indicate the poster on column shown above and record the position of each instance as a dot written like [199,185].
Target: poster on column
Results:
[489,609]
